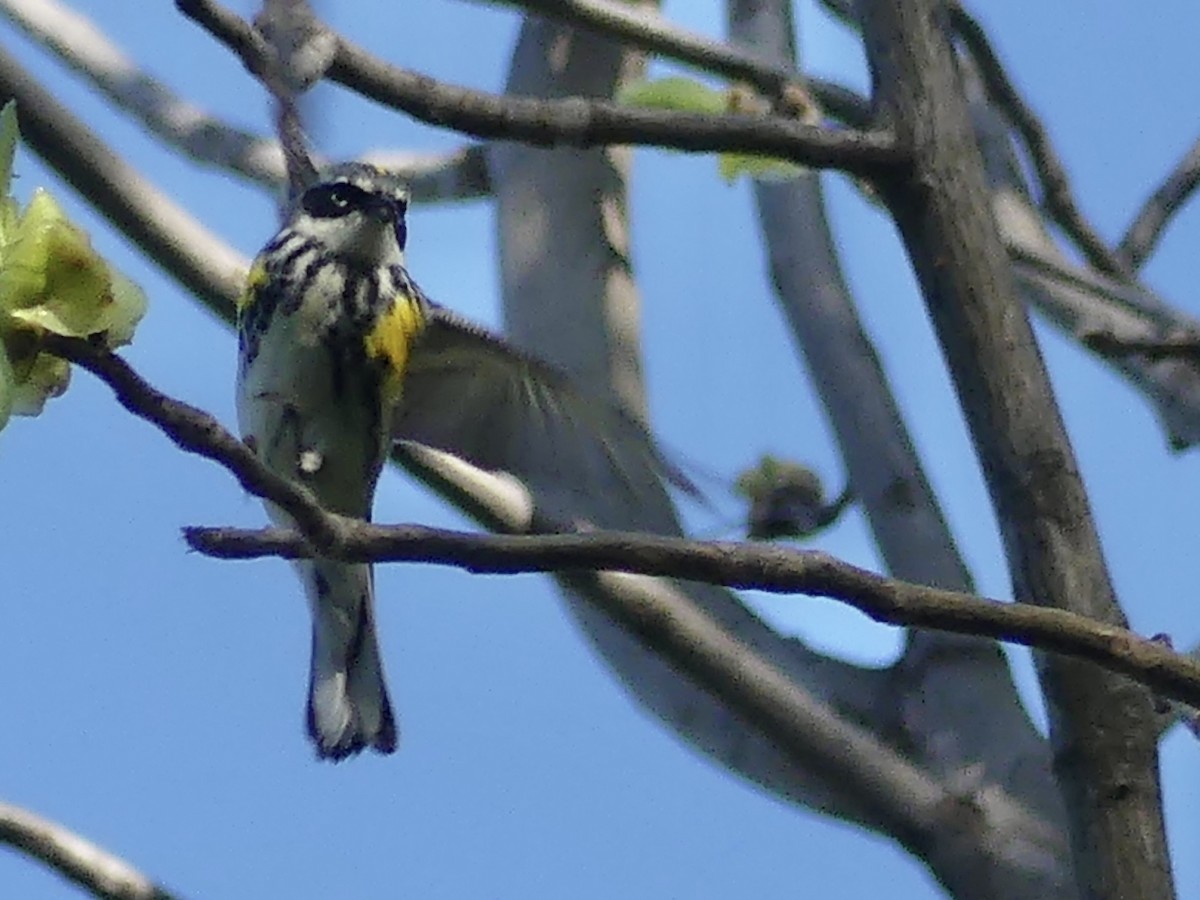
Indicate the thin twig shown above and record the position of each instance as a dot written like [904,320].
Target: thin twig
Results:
[1058,198]
[646,29]
[1165,202]
[79,860]
[573,121]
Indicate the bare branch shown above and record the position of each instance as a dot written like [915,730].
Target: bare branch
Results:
[572,121]
[1058,197]
[971,717]
[1165,202]
[79,860]
[166,232]
[644,28]
[750,566]
[747,566]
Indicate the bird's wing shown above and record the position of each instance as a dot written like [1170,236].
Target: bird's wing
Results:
[469,393]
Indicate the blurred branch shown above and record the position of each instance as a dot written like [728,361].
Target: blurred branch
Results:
[1165,202]
[86,49]
[432,177]
[1074,297]
[1185,346]
[458,175]
[971,715]
[1058,197]
[646,29]
[97,871]
[166,232]
[571,121]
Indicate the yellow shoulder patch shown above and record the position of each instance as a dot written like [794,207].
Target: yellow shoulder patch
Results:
[255,278]
[391,339]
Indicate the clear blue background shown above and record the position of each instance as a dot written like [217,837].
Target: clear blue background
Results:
[152,698]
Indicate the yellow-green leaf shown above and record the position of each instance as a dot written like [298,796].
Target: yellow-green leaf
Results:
[50,276]
[126,310]
[679,94]
[763,168]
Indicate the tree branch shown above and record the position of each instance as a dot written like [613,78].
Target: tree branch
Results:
[78,860]
[971,716]
[893,790]
[1184,346]
[1101,725]
[1058,198]
[736,565]
[644,28]
[1165,202]
[746,566]
[571,121]
[88,51]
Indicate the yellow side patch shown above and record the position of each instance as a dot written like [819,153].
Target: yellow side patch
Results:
[255,278]
[391,339]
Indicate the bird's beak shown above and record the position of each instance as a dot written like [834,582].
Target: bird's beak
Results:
[380,209]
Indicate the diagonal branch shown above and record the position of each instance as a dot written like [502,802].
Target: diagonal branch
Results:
[1058,197]
[1184,346]
[166,232]
[202,137]
[197,432]
[205,139]
[1165,202]
[893,790]
[79,860]
[644,28]
[571,121]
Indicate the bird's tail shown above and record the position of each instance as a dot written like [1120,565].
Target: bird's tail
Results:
[348,706]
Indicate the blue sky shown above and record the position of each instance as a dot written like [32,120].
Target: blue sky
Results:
[153,697]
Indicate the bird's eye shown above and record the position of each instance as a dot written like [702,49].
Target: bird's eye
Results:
[328,201]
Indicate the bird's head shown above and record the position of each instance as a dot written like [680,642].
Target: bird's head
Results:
[357,212]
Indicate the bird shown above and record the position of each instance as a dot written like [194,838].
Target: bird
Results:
[341,356]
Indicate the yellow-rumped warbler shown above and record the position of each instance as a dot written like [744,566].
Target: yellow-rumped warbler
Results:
[340,355]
